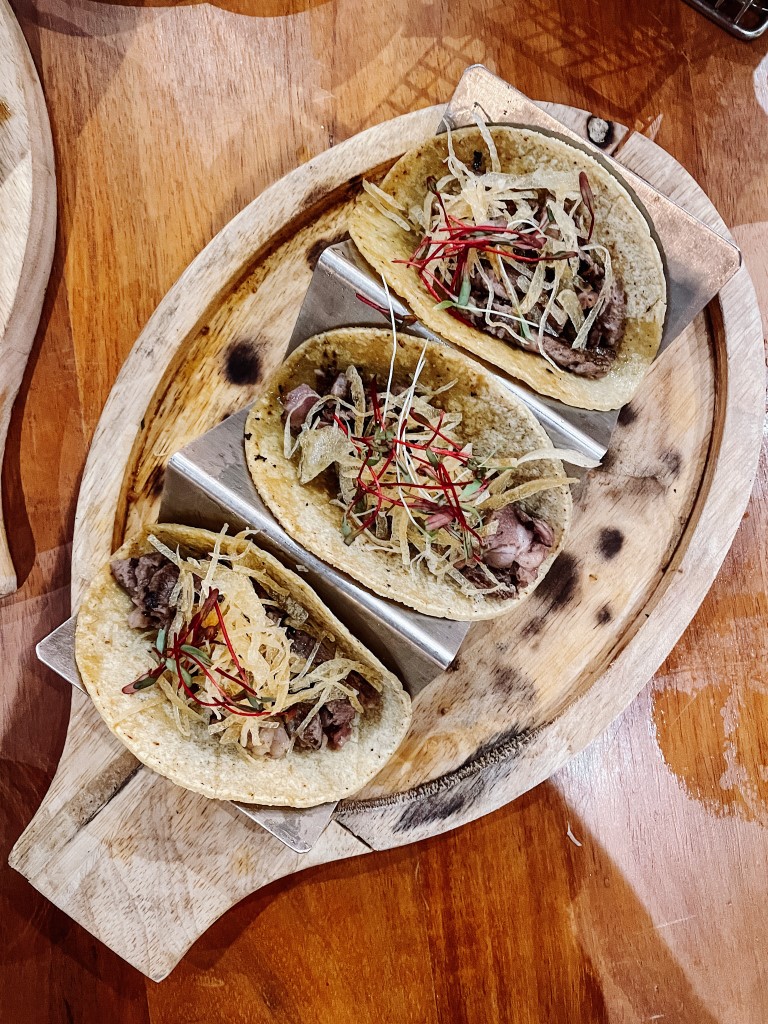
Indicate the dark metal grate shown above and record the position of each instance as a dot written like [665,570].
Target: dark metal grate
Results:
[746,19]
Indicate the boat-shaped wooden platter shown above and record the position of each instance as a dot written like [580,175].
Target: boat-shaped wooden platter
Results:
[146,866]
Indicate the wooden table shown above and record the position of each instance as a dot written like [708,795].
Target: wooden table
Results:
[168,118]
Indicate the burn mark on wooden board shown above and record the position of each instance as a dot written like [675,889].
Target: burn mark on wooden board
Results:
[449,796]
[627,415]
[505,680]
[610,542]
[561,584]
[496,748]
[672,461]
[533,627]
[440,806]
[155,481]
[242,363]
[324,191]
[604,615]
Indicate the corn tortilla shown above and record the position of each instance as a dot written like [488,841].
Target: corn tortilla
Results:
[110,654]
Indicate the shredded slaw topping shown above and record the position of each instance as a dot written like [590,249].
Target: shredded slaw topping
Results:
[507,252]
[409,480]
[225,661]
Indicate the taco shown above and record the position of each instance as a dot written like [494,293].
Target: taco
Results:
[411,468]
[525,251]
[223,671]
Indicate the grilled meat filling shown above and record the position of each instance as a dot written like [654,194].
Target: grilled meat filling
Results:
[149,581]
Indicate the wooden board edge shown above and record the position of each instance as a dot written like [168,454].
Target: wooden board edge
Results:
[18,338]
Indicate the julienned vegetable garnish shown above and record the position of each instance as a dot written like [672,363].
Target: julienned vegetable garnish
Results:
[222,670]
[409,481]
[412,469]
[514,257]
[527,252]
[232,647]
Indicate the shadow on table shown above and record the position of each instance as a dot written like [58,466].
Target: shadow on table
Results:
[505,912]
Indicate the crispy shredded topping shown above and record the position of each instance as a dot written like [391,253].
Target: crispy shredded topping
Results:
[512,254]
[227,659]
[409,480]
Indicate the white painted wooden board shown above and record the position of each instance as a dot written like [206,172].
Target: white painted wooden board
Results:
[27,226]
[530,690]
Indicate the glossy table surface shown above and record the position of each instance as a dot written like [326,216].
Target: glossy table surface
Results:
[630,887]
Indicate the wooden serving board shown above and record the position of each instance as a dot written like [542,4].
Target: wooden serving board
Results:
[27,227]
[146,866]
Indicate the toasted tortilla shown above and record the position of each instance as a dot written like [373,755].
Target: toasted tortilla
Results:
[619,225]
[110,654]
[493,419]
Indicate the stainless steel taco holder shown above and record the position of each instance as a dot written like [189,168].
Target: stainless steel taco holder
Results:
[208,484]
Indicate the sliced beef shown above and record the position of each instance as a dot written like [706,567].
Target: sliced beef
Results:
[479,290]
[608,330]
[337,717]
[331,382]
[477,576]
[480,579]
[334,720]
[148,580]
[273,612]
[311,736]
[297,404]
[591,271]
[303,643]
[519,540]
[582,362]
[514,553]
[340,387]
[367,695]
[542,531]
[597,357]
[124,571]
[509,543]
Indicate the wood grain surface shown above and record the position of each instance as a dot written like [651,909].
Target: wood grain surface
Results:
[27,227]
[166,121]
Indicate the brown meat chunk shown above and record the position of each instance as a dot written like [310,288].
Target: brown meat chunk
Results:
[303,643]
[367,695]
[311,735]
[149,581]
[519,540]
[297,404]
[337,717]
[597,357]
